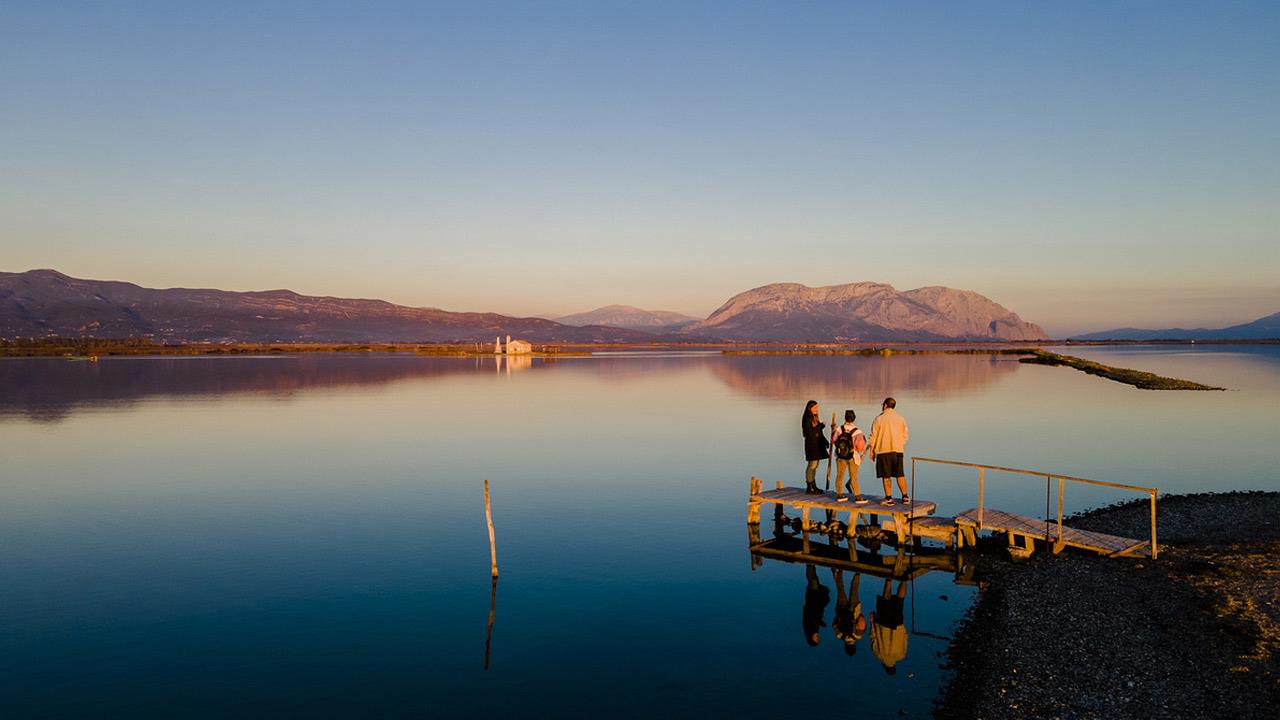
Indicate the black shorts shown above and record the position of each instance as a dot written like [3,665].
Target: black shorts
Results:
[889,465]
[889,609]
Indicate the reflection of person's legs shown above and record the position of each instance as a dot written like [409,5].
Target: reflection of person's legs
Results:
[888,588]
[902,589]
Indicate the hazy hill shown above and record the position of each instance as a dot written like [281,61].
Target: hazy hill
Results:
[626,316]
[1265,328]
[45,302]
[865,311]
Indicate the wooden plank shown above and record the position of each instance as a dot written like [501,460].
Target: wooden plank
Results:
[1031,528]
[938,528]
[827,501]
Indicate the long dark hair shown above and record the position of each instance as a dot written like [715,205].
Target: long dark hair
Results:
[808,420]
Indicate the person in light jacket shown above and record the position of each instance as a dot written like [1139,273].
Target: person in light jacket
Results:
[815,446]
[888,444]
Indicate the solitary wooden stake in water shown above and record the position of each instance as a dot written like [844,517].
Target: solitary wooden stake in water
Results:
[493,563]
[488,516]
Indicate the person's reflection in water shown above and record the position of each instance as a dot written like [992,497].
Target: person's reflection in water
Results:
[888,634]
[849,623]
[816,597]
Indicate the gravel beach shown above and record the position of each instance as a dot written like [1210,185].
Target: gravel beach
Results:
[1195,634]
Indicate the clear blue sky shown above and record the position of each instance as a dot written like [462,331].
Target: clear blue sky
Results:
[1087,164]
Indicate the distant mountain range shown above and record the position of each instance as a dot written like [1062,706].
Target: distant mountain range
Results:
[1266,328]
[44,303]
[632,318]
[862,312]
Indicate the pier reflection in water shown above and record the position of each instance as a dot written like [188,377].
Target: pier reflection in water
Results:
[892,622]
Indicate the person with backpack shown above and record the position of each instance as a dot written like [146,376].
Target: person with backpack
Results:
[849,443]
[815,446]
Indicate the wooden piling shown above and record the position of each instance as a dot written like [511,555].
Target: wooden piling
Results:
[488,516]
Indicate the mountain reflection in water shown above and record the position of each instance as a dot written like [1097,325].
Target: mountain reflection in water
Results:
[44,389]
[858,378]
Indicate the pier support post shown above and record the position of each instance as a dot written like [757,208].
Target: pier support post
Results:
[804,527]
[753,502]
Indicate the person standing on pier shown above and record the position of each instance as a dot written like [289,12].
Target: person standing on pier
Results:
[815,446]
[849,444]
[888,444]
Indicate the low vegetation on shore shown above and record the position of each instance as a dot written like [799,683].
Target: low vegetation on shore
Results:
[85,347]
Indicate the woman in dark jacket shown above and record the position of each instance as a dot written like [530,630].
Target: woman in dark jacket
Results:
[815,446]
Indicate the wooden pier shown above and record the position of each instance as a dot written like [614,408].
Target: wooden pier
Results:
[906,524]
[874,509]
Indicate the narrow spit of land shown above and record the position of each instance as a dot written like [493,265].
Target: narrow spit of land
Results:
[1136,378]
[1195,634]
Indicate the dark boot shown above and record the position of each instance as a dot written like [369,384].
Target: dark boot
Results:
[811,488]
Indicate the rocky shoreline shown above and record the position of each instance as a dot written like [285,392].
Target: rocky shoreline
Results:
[1195,634]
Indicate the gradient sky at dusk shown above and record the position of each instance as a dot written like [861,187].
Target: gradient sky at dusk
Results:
[1088,165]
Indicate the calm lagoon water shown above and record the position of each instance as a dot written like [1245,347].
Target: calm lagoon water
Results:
[304,535]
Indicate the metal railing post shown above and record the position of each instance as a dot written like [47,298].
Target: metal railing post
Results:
[911,514]
[982,473]
[1048,480]
[1153,524]
[1061,483]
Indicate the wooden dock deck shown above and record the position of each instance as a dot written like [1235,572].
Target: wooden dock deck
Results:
[1031,529]
[796,497]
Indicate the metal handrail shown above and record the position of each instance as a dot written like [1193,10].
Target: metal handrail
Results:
[1048,476]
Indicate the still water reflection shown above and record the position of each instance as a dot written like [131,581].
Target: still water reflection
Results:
[304,535]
